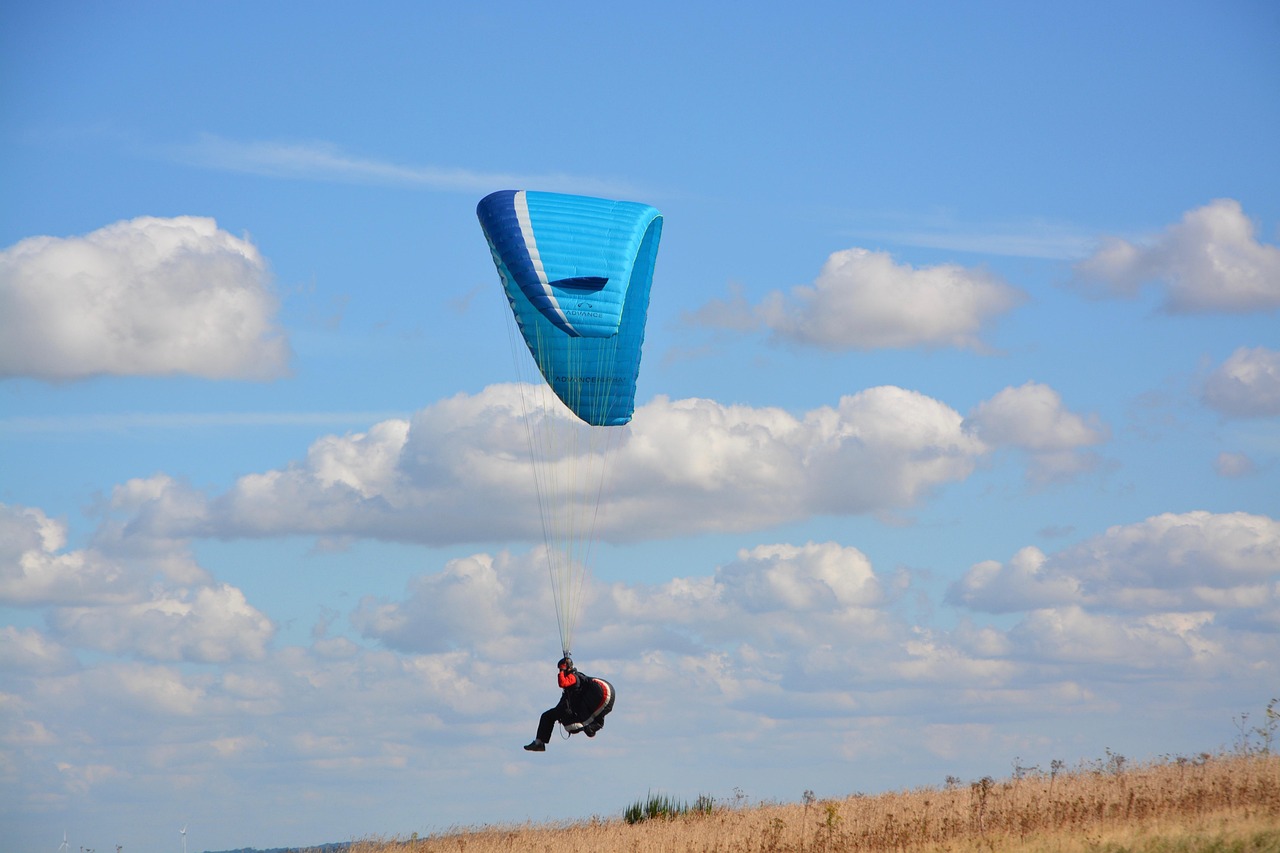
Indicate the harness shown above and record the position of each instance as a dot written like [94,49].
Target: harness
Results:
[606,701]
[605,705]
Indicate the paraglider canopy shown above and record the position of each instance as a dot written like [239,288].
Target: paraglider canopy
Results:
[577,272]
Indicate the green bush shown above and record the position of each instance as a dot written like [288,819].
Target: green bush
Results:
[662,806]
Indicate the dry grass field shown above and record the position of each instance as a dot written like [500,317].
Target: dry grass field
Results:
[1222,803]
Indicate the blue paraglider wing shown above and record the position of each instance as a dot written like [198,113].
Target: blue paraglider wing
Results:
[577,273]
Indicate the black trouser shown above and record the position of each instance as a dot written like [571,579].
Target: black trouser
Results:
[547,724]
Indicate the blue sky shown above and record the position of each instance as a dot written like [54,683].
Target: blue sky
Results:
[957,435]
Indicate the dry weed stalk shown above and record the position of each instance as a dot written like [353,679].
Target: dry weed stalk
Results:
[1223,796]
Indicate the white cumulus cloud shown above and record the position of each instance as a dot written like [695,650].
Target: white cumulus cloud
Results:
[804,644]
[36,568]
[122,600]
[1021,584]
[779,598]
[29,650]
[1246,385]
[1209,262]
[458,471]
[813,577]
[1177,563]
[211,624]
[148,296]
[480,601]
[1032,417]
[1186,595]
[1078,637]
[865,300]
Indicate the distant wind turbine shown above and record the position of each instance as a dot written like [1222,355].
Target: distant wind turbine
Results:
[184,839]
[62,848]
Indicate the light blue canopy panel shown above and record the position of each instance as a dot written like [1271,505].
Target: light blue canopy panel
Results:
[577,272]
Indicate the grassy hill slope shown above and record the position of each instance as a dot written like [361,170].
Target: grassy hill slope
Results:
[1223,803]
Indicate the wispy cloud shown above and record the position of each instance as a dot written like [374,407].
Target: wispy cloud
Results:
[1049,244]
[324,161]
[120,421]
[1030,238]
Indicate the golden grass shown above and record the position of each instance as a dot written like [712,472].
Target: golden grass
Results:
[1225,804]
